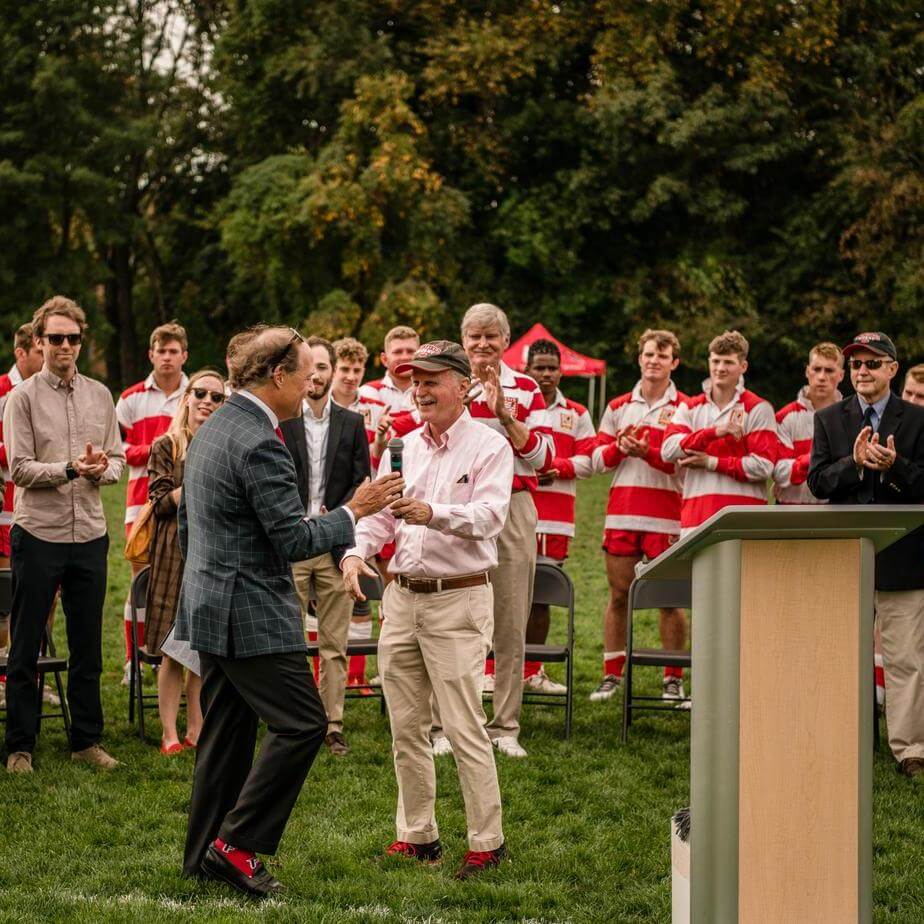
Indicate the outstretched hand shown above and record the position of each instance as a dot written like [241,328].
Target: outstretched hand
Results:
[372,496]
[352,568]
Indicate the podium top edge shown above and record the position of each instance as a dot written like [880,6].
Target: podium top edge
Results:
[881,524]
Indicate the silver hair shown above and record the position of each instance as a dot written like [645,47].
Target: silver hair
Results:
[484,314]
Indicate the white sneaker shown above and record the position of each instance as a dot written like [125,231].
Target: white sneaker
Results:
[607,689]
[127,674]
[509,746]
[542,683]
[441,746]
[672,688]
[487,683]
[376,681]
[49,696]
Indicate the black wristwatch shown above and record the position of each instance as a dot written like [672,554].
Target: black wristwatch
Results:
[70,471]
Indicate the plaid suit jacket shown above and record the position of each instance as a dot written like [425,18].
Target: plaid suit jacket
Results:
[241,522]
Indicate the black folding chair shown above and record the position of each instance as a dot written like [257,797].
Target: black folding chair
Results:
[374,588]
[553,587]
[645,595]
[48,662]
[138,700]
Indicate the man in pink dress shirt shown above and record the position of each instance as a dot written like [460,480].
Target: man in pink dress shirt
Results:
[439,610]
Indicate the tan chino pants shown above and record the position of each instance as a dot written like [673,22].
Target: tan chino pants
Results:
[334,608]
[436,644]
[900,615]
[512,580]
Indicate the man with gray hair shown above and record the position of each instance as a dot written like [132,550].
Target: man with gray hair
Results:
[512,405]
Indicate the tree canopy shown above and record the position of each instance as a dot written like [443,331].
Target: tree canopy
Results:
[347,165]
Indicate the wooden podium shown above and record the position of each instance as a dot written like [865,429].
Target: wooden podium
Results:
[782,737]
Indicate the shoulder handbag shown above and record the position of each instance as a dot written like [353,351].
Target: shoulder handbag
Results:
[141,535]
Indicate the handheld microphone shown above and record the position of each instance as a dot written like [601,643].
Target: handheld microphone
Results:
[395,452]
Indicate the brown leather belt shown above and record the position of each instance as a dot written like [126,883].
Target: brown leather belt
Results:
[436,585]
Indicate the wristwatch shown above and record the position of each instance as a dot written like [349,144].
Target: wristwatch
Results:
[70,471]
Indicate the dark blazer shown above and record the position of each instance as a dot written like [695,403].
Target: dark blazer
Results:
[346,463]
[241,522]
[833,476]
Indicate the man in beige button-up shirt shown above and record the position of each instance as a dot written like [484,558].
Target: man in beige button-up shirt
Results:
[63,443]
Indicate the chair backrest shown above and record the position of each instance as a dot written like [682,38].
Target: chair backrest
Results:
[139,589]
[6,590]
[552,586]
[648,595]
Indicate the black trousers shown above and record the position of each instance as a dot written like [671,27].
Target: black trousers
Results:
[247,803]
[39,569]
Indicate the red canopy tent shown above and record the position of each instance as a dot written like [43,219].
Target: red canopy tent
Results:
[572,362]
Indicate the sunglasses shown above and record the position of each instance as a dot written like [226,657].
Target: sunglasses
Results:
[201,393]
[871,364]
[295,338]
[58,339]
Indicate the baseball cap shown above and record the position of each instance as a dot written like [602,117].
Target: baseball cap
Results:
[875,342]
[437,356]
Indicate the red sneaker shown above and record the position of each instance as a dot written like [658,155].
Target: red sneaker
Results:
[477,861]
[431,853]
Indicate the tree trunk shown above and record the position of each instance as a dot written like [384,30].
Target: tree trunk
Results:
[122,360]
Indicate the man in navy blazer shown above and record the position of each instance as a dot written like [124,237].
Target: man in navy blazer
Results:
[241,523]
[869,449]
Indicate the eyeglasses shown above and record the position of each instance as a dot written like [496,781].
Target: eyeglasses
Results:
[58,339]
[216,396]
[871,364]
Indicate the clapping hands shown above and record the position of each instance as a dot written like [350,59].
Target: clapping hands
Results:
[870,453]
[92,463]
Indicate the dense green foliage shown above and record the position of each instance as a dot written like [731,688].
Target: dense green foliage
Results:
[586,819]
[352,163]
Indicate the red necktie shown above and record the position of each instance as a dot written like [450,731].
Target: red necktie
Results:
[278,432]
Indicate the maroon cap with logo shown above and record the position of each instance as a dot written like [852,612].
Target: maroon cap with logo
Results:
[874,341]
[437,356]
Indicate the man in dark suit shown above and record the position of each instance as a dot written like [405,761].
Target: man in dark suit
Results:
[241,523]
[869,449]
[331,454]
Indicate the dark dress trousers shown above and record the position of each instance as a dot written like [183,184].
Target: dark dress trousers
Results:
[241,522]
[834,476]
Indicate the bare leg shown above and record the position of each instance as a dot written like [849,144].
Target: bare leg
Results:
[169,689]
[620,571]
[193,706]
[672,624]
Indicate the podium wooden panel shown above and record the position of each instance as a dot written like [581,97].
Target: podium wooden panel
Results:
[781,744]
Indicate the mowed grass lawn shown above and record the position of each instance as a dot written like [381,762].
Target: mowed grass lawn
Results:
[586,820]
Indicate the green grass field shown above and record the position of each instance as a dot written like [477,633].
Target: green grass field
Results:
[586,820]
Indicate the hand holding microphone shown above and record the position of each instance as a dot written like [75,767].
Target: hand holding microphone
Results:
[413,512]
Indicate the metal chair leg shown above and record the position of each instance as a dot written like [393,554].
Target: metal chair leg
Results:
[65,712]
[140,693]
[569,696]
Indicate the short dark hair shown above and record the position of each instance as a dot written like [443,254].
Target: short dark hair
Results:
[314,341]
[23,339]
[542,347]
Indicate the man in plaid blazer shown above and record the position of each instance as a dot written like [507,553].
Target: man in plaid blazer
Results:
[241,523]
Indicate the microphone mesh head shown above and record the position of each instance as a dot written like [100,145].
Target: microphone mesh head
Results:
[395,445]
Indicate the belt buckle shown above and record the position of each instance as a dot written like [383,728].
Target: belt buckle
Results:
[439,585]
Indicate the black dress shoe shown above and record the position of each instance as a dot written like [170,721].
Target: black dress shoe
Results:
[260,885]
[337,745]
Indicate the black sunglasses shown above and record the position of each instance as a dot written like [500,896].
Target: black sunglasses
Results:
[871,364]
[216,396]
[58,339]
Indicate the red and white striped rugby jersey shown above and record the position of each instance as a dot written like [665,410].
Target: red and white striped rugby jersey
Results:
[743,465]
[400,404]
[645,492]
[574,439]
[371,410]
[144,413]
[524,401]
[795,426]
[7,383]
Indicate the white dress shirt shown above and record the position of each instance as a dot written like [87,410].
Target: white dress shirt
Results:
[316,431]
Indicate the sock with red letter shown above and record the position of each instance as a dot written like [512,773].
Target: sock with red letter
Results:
[673,672]
[531,668]
[613,662]
[879,675]
[356,670]
[245,861]
[128,629]
[489,667]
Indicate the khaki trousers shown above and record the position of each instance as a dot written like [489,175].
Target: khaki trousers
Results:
[512,580]
[436,644]
[900,615]
[334,608]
